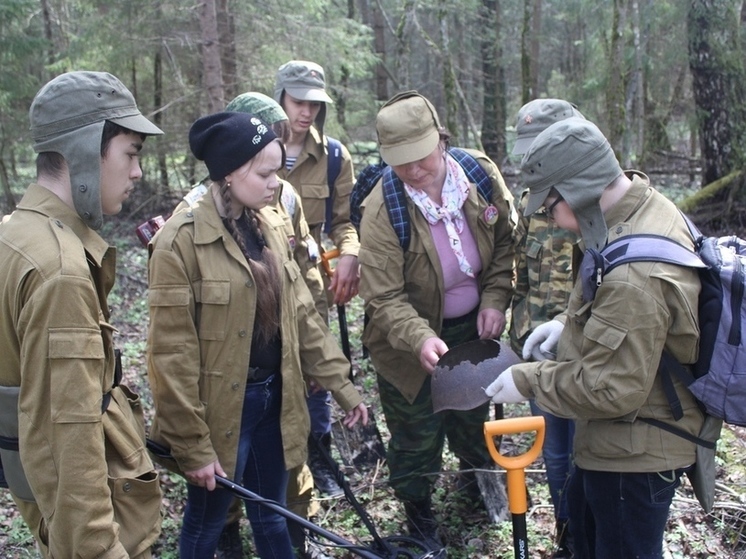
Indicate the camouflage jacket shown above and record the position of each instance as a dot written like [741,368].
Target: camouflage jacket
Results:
[543,264]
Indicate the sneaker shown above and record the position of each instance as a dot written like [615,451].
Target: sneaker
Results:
[230,545]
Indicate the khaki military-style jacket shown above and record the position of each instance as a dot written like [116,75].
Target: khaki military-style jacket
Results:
[403,291]
[543,270]
[95,489]
[309,177]
[202,305]
[608,354]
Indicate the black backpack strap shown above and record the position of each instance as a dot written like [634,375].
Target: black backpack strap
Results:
[669,367]
[679,432]
[333,168]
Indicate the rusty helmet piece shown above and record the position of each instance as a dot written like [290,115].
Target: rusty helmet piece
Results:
[462,374]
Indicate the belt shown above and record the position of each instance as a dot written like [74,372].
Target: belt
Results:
[451,322]
[259,374]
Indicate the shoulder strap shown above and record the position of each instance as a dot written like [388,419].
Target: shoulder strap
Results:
[333,168]
[474,171]
[648,248]
[396,205]
[396,199]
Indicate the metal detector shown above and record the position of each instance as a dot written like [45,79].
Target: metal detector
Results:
[390,547]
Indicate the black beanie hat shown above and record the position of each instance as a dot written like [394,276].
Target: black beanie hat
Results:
[225,141]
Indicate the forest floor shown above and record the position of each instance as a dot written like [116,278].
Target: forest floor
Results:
[467,531]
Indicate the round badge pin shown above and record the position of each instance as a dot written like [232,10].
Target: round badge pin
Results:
[490,214]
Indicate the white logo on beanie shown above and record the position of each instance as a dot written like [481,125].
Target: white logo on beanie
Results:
[256,139]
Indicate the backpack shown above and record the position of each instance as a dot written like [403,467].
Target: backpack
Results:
[333,168]
[395,197]
[718,378]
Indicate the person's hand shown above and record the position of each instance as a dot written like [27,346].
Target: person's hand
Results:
[359,413]
[345,280]
[431,352]
[205,476]
[503,389]
[542,342]
[490,324]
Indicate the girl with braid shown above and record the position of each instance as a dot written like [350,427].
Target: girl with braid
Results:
[224,350]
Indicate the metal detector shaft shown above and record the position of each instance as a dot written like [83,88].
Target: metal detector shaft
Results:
[514,466]
[344,335]
[244,493]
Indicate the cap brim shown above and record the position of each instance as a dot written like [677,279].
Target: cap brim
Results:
[403,153]
[536,200]
[522,144]
[309,94]
[137,123]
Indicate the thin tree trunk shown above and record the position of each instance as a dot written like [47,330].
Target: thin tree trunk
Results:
[526,93]
[163,185]
[227,33]
[379,43]
[615,90]
[212,70]
[536,37]
[493,74]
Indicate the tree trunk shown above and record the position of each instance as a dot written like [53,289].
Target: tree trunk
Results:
[493,76]
[716,63]
[227,33]
[211,65]
[379,44]
[536,37]
[615,90]
[163,185]
[526,93]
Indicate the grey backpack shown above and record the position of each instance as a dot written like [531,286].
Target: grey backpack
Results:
[718,378]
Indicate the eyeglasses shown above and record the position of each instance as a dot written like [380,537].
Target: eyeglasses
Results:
[550,208]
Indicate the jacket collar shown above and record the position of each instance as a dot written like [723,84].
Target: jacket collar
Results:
[43,201]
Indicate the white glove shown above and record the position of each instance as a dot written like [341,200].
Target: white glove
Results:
[503,389]
[542,342]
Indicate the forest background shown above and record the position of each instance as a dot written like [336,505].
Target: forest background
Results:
[664,79]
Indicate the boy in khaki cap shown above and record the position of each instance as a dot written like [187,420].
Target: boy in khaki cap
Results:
[300,90]
[90,489]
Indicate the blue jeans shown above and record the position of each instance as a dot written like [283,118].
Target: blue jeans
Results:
[260,468]
[320,412]
[620,515]
[557,453]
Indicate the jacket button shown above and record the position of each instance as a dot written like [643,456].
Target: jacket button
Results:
[234,386]
[127,487]
[242,333]
[229,433]
[249,283]
[618,230]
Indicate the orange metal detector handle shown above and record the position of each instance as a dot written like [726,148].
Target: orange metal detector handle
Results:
[326,258]
[514,465]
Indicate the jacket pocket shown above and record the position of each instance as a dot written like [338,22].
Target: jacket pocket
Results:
[137,510]
[215,295]
[604,333]
[314,201]
[76,358]
[169,313]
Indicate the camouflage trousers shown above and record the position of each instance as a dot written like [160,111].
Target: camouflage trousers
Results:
[418,435]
